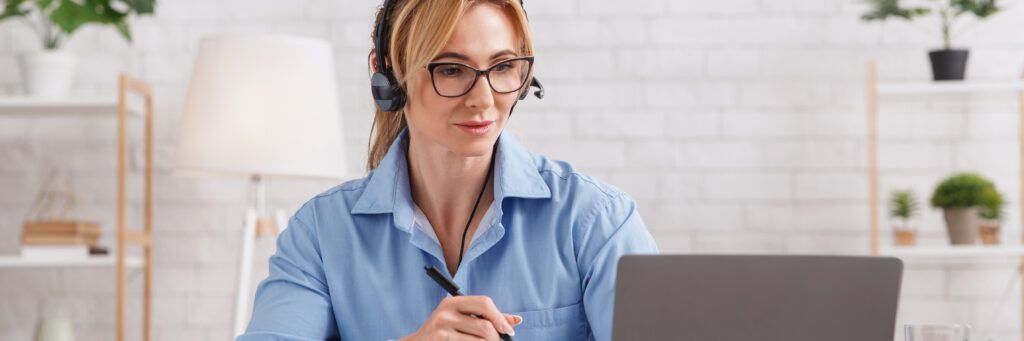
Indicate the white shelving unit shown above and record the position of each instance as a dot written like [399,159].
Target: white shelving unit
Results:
[77,106]
[91,261]
[945,254]
[966,251]
[93,105]
[119,106]
[948,87]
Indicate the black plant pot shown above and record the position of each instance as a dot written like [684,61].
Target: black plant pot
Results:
[948,64]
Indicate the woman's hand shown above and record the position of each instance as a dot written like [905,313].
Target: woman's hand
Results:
[453,320]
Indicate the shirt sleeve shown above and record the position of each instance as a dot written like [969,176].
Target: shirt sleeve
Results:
[293,303]
[610,231]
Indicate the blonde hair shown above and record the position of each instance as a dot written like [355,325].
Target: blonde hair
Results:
[419,29]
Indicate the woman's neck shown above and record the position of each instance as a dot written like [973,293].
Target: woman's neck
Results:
[445,186]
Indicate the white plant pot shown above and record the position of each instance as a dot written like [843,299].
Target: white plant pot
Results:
[57,329]
[47,73]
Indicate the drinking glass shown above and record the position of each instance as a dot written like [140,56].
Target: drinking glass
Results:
[937,332]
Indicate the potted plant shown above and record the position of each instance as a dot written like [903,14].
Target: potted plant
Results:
[903,206]
[991,214]
[49,72]
[959,196]
[947,63]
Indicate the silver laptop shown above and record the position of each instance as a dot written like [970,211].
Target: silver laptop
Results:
[763,298]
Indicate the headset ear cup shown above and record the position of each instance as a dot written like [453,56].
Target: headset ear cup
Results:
[386,93]
[398,102]
[398,94]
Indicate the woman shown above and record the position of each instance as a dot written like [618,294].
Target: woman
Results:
[533,243]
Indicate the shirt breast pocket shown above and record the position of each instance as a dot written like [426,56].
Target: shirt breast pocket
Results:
[563,323]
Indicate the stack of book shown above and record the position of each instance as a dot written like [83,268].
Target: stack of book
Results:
[58,238]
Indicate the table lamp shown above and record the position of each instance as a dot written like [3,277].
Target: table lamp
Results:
[261,106]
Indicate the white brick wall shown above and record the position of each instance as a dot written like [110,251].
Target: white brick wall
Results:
[737,124]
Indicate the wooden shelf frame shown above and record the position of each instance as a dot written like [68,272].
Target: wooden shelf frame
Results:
[874,90]
[94,105]
[134,237]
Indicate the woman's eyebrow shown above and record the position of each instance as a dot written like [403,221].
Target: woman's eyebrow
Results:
[457,55]
[502,53]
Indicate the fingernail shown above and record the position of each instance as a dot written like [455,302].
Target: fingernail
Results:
[519,319]
[509,330]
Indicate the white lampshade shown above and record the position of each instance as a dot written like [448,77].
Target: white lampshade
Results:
[262,105]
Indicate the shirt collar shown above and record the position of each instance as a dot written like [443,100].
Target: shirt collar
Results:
[388,191]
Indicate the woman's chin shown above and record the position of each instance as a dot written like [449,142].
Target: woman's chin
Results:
[476,148]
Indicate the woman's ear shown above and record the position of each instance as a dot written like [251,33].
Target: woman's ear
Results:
[372,62]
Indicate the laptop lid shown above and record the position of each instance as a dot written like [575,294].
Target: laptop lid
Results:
[742,298]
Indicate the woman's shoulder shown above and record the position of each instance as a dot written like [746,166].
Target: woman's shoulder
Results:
[350,188]
[342,195]
[599,208]
[346,188]
[564,179]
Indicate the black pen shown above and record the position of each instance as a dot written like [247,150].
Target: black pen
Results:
[452,289]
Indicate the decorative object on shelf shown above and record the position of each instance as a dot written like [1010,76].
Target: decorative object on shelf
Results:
[53,323]
[96,250]
[61,232]
[903,205]
[52,227]
[54,329]
[937,332]
[960,196]
[991,214]
[261,106]
[947,63]
[50,72]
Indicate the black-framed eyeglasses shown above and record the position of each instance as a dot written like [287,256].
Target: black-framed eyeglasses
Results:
[452,79]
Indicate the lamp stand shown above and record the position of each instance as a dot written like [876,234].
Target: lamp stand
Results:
[257,224]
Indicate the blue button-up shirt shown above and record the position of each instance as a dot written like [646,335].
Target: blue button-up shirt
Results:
[350,263]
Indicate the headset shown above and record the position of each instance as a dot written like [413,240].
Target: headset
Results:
[387,93]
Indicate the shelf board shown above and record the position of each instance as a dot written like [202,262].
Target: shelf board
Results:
[947,87]
[92,261]
[965,251]
[95,105]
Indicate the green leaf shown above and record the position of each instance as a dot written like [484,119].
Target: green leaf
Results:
[885,9]
[991,205]
[980,8]
[141,6]
[14,8]
[961,190]
[70,15]
[903,204]
[122,27]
